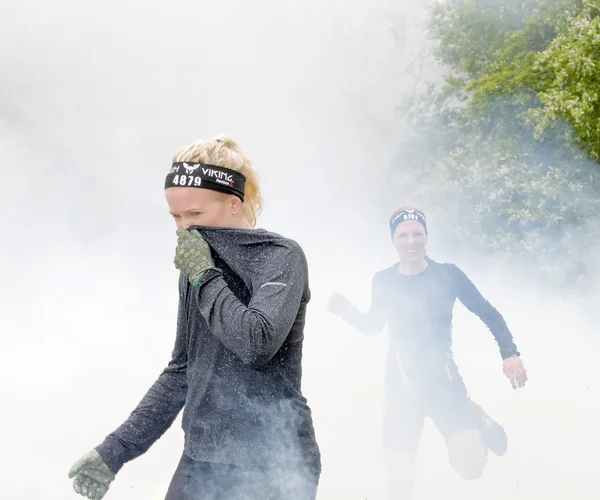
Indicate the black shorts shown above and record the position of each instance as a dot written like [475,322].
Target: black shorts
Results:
[442,397]
[195,480]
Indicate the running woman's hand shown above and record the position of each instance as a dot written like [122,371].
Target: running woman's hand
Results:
[91,476]
[192,255]
[339,305]
[515,371]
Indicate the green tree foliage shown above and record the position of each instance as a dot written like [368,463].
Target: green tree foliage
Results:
[470,32]
[571,88]
[550,67]
[494,151]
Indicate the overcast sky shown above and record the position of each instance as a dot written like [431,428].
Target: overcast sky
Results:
[95,97]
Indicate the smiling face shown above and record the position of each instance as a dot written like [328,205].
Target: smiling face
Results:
[190,206]
[410,240]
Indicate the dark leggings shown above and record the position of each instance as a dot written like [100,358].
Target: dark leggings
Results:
[194,480]
[445,399]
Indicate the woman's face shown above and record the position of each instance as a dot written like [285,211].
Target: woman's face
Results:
[410,240]
[192,206]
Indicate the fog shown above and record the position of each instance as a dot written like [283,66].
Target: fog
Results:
[95,99]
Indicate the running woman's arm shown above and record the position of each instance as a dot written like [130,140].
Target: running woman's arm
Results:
[370,322]
[257,331]
[158,409]
[470,296]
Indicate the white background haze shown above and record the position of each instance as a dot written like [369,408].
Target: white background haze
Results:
[95,97]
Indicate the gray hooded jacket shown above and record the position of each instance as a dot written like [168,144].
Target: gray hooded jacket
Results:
[236,364]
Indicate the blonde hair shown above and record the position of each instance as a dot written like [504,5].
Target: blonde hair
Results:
[223,151]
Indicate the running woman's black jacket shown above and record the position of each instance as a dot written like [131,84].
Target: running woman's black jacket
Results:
[236,364]
[418,310]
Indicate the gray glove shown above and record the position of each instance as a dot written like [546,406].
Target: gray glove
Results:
[92,476]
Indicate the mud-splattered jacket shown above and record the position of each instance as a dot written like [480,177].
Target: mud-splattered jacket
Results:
[236,365]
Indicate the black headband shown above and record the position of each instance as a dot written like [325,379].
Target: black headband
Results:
[405,215]
[200,175]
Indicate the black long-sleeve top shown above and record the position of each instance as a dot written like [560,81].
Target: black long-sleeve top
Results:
[236,364]
[418,310]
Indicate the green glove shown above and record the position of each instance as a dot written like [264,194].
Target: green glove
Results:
[192,255]
[92,476]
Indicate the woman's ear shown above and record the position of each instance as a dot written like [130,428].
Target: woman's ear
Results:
[236,204]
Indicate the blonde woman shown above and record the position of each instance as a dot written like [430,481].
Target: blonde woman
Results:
[236,364]
[415,298]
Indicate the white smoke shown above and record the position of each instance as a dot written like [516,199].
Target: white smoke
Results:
[95,99]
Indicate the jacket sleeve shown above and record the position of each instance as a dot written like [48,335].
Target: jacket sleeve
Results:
[372,321]
[470,296]
[157,410]
[257,331]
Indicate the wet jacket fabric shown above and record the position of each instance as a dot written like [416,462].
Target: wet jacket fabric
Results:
[236,364]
